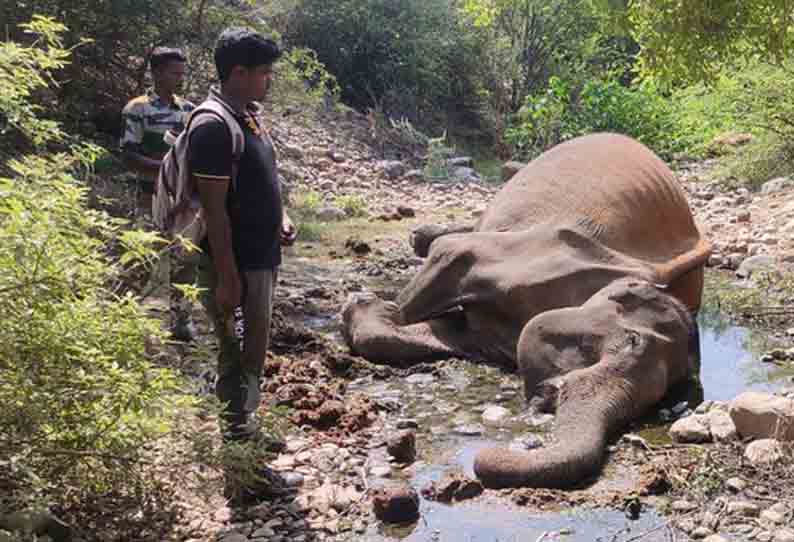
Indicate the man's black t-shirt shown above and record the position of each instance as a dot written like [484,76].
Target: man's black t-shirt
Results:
[254,203]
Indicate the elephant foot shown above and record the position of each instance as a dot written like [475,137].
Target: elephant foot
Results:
[371,330]
[423,236]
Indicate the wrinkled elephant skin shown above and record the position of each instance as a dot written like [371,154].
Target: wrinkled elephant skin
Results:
[583,273]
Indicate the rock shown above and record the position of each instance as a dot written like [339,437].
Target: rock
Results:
[392,168]
[744,508]
[754,264]
[263,532]
[737,485]
[772,517]
[714,538]
[764,452]
[233,537]
[415,175]
[407,423]
[453,487]
[464,174]
[402,447]
[381,471]
[721,425]
[784,535]
[358,247]
[330,213]
[461,161]
[683,507]
[396,504]
[495,415]
[763,416]
[511,168]
[701,532]
[292,151]
[38,521]
[405,211]
[471,430]
[527,442]
[775,185]
[692,429]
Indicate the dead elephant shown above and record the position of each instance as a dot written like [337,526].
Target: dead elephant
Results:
[584,273]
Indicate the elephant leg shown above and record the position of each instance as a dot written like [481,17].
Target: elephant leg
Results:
[423,236]
[371,331]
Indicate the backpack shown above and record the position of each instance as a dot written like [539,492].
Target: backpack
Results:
[176,207]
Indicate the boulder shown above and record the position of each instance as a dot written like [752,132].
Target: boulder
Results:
[396,504]
[763,416]
[721,425]
[776,185]
[692,429]
[392,168]
[754,264]
[764,452]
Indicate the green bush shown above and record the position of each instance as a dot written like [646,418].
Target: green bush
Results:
[353,206]
[563,112]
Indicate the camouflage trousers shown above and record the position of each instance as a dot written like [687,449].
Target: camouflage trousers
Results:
[243,340]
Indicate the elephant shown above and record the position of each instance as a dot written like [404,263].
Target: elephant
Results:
[584,274]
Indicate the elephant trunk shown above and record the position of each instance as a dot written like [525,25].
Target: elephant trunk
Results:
[584,422]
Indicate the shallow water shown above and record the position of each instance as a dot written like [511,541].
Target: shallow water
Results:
[447,411]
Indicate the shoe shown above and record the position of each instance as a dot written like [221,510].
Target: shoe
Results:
[184,330]
[269,485]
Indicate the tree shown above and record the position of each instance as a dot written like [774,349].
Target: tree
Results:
[689,41]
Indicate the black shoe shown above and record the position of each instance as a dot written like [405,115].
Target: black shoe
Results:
[269,485]
[184,331]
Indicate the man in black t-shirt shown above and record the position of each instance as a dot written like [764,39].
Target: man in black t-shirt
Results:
[246,224]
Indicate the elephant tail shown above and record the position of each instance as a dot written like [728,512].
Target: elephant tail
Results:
[599,404]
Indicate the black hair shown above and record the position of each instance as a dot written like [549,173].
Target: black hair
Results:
[163,55]
[243,47]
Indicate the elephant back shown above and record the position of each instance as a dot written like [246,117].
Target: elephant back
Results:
[610,188]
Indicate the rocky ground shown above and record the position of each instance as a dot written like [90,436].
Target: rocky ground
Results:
[711,486]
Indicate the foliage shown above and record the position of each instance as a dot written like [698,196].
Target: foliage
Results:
[307,203]
[409,58]
[438,155]
[691,41]
[563,112]
[352,205]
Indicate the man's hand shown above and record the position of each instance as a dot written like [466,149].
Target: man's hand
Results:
[288,232]
[228,294]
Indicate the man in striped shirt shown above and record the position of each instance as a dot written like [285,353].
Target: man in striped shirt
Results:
[146,119]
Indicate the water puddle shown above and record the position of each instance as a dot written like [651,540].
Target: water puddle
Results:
[447,406]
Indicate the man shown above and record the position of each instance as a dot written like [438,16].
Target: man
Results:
[146,119]
[246,224]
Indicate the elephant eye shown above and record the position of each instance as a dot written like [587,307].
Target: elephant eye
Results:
[633,341]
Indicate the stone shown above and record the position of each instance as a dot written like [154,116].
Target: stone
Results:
[721,425]
[330,213]
[714,538]
[692,429]
[233,537]
[453,487]
[39,521]
[700,533]
[776,185]
[495,415]
[784,535]
[744,508]
[381,471]
[392,168]
[527,442]
[737,485]
[464,174]
[764,452]
[402,447]
[461,161]
[755,264]
[263,532]
[396,504]
[763,416]
[405,211]
[683,506]
[773,517]
[511,168]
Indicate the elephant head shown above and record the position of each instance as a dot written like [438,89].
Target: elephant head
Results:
[607,361]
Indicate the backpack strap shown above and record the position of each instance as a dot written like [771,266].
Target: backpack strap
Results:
[226,115]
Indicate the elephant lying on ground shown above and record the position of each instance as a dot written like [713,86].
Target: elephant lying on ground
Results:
[584,273]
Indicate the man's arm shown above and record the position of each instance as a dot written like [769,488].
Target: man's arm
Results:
[213,191]
[210,162]
[140,163]
[131,140]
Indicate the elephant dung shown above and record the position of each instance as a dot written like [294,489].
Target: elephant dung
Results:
[402,447]
[396,504]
